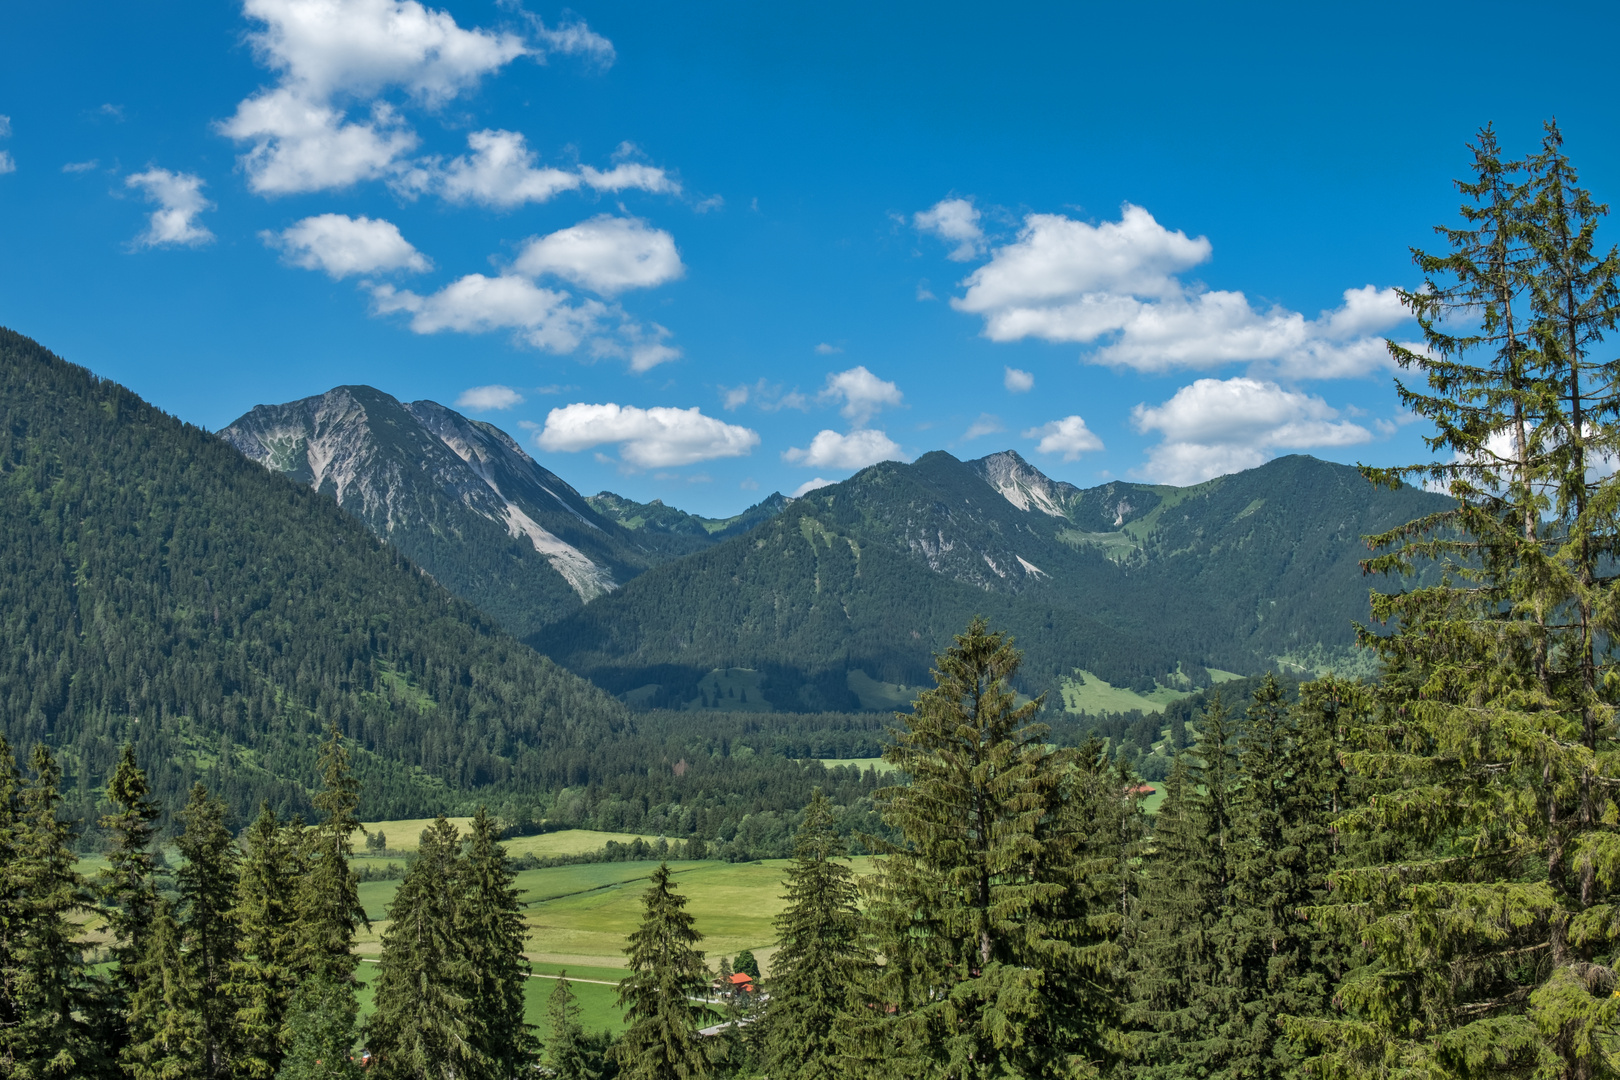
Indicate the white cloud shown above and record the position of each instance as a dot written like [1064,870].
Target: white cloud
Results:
[647,438]
[179,200]
[81,166]
[643,346]
[5,126]
[955,221]
[1214,426]
[1018,382]
[631,175]
[984,425]
[1069,437]
[328,51]
[8,164]
[862,392]
[574,38]
[476,304]
[1116,285]
[502,171]
[734,397]
[858,449]
[487,398]
[342,246]
[605,254]
[811,485]
[825,349]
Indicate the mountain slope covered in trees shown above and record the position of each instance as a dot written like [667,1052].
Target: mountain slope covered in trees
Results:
[160,589]
[1132,582]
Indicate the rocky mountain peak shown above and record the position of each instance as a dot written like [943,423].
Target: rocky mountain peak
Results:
[1023,485]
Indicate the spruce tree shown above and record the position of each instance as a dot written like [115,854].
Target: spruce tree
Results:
[424,1027]
[208,885]
[666,973]
[981,912]
[821,960]
[167,1037]
[492,933]
[43,985]
[320,1032]
[1495,729]
[126,887]
[329,909]
[566,1051]
[264,978]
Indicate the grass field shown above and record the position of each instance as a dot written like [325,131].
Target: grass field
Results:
[406,836]
[1098,695]
[862,763]
[598,1003]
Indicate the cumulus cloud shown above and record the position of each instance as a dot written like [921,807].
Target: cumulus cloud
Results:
[811,485]
[8,164]
[956,221]
[81,166]
[984,425]
[502,171]
[1068,437]
[334,56]
[647,438]
[825,349]
[488,398]
[1116,286]
[605,254]
[1215,426]
[179,202]
[858,449]
[643,346]
[862,393]
[342,246]
[1018,382]
[544,318]
[631,175]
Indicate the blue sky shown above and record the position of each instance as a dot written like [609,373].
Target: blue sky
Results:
[1129,241]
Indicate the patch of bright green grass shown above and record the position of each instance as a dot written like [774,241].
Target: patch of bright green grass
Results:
[880,696]
[1092,694]
[731,690]
[862,763]
[598,1004]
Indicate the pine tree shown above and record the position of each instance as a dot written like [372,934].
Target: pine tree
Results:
[666,973]
[1495,728]
[126,887]
[43,988]
[208,885]
[321,1029]
[982,905]
[264,978]
[566,1051]
[329,903]
[493,933]
[168,1040]
[424,1027]
[821,960]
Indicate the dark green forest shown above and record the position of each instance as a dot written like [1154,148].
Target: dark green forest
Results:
[161,590]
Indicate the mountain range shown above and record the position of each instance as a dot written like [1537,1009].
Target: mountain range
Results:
[838,600]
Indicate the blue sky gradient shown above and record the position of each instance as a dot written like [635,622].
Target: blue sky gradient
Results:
[777,159]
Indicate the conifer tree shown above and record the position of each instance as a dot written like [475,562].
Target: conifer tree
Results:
[1495,730]
[821,960]
[43,989]
[321,1030]
[566,1051]
[666,973]
[167,1039]
[329,909]
[126,887]
[208,885]
[424,1028]
[982,904]
[264,978]
[492,933]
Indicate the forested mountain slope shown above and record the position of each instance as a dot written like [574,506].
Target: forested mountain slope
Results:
[678,530]
[157,587]
[1132,582]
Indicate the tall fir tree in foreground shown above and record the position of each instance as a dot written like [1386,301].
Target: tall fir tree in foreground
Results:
[492,933]
[208,886]
[666,973]
[567,1055]
[424,1027]
[329,908]
[998,939]
[1495,735]
[816,973]
[264,976]
[44,993]
[167,1040]
[127,887]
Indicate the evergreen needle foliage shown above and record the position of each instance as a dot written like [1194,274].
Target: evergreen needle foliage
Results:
[566,1051]
[666,974]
